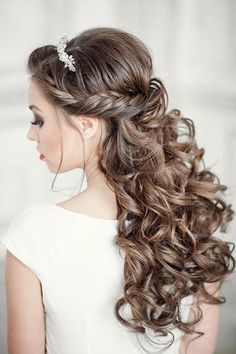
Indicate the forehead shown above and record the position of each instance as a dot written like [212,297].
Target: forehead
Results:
[35,91]
[44,107]
[37,98]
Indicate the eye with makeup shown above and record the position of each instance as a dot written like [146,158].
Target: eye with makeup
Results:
[38,121]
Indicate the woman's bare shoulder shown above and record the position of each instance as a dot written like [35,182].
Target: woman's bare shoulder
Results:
[93,203]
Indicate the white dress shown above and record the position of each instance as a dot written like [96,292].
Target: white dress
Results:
[81,272]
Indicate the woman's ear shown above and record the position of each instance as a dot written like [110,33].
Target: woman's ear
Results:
[90,126]
[87,126]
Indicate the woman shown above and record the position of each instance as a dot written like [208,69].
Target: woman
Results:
[69,288]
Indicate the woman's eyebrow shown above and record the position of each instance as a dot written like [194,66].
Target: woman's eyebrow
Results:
[34,106]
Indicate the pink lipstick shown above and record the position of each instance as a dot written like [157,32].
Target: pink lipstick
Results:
[41,156]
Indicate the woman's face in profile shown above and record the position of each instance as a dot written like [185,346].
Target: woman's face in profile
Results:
[50,134]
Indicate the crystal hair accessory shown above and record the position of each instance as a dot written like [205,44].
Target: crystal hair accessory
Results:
[68,60]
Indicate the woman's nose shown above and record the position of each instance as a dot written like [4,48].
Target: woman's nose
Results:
[31,134]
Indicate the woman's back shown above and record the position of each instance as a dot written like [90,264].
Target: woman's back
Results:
[81,273]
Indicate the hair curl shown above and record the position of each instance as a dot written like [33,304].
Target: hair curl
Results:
[151,160]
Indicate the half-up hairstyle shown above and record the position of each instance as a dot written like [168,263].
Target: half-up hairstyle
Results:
[172,202]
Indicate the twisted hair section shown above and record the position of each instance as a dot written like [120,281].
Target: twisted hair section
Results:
[170,205]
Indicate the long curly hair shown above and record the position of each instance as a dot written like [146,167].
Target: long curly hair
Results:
[169,204]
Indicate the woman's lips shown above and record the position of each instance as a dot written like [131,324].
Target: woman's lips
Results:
[41,156]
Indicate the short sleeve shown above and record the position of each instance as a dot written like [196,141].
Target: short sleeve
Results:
[21,238]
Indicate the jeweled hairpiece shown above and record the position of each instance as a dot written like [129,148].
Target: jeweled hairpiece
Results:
[68,60]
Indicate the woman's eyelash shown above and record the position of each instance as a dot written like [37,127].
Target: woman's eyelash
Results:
[38,122]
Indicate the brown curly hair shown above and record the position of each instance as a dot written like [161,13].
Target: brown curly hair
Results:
[172,202]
